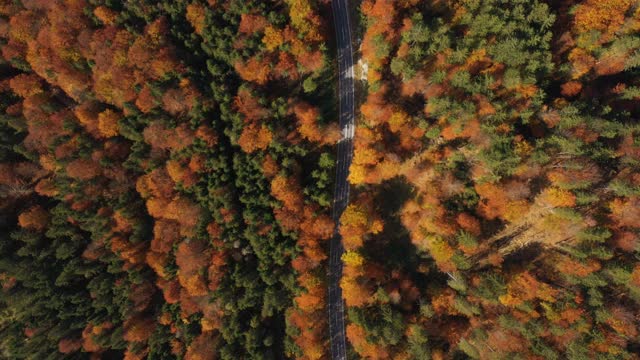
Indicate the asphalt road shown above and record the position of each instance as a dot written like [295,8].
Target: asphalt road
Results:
[346,110]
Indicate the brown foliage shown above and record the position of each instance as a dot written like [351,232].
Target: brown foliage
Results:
[68,346]
[207,134]
[83,169]
[250,24]
[138,328]
[46,187]
[202,347]
[571,88]
[159,136]
[165,234]
[247,104]
[140,295]
[170,290]
[635,276]
[192,257]
[180,100]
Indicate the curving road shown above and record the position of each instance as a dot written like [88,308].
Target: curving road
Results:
[346,110]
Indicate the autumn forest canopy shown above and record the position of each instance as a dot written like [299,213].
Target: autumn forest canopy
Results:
[167,171]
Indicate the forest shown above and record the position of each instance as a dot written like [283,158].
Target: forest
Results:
[167,172]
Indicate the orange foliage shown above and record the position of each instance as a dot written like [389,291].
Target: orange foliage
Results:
[108,123]
[26,85]
[604,16]
[557,197]
[461,129]
[312,328]
[311,61]
[308,116]
[469,223]
[131,253]
[35,218]
[383,13]
[626,241]
[525,287]
[571,267]
[626,212]
[376,110]
[582,62]
[106,15]
[505,202]
[358,338]
[157,261]
[313,298]
[196,16]
[215,271]
[288,191]
[272,38]
[254,70]
[87,114]
[181,173]
[269,167]
[254,138]
[610,63]
[146,101]
[357,221]
[88,343]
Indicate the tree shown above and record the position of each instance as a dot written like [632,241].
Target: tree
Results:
[255,138]
[108,123]
[192,257]
[201,348]
[35,218]
[138,329]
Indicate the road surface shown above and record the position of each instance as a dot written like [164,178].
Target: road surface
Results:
[346,110]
